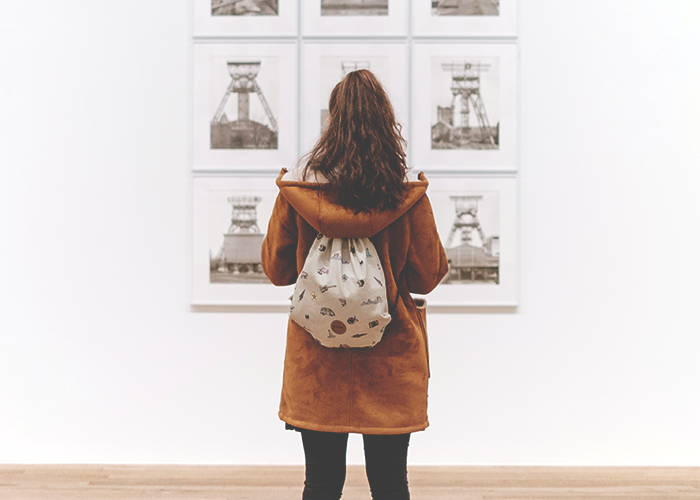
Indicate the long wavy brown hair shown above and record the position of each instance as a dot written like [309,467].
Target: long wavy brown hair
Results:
[361,152]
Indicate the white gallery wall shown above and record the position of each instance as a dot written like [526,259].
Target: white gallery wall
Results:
[102,360]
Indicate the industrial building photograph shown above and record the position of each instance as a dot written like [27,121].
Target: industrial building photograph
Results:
[354,7]
[244,7]
[245,117]
[471,236]
[236,241]
[465,107]
[465,7]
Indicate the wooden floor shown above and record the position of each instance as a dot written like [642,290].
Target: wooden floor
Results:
[121,482]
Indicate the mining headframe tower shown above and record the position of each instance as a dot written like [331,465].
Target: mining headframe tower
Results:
[243,133]
[240,251]
[475,258]
[466,96]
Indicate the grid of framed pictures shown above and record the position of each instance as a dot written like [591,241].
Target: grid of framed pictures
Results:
[263,71]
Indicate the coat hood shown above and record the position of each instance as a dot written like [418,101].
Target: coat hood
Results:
[311,200]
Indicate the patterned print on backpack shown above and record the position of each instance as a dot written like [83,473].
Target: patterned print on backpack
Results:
[339,297]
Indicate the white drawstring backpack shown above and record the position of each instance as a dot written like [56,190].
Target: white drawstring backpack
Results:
[340,297]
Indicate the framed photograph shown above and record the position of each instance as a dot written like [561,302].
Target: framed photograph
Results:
[464,112]
[230,216]
[227,18]
[476,18]
[325,64]
[245,105]
[475,216]
[379,18]
[476,219]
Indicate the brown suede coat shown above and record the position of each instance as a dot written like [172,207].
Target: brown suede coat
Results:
[377,390]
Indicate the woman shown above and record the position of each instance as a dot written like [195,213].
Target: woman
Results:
[354,184]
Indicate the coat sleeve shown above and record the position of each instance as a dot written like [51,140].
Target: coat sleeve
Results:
[426,263]
[279,246]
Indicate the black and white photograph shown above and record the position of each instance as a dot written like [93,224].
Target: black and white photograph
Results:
[234,254]
[245,110]
[244,7]
[464,106]
[465,99]
[476,220]
[244,118]
[355,18]
[472,243]
[448,18]
[354,7]
[230,221]
[327,64]
[465,7]
[245,18]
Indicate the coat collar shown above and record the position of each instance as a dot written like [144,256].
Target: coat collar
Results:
[311,201]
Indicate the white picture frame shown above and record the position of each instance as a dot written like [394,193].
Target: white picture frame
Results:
[323,68]
[216,18]
[460,18]
[318,21]
[226,268]
[268,134]
[438,139]
[483,260]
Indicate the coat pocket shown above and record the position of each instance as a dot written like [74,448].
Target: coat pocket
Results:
[421,306]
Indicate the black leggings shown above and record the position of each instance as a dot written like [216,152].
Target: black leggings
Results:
[385,464]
